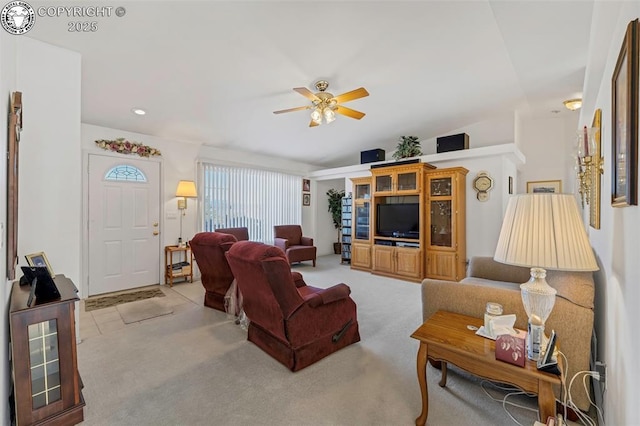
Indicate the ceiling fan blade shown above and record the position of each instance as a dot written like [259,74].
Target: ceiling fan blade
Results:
[349,112]
[352,95]
[313,124]
[291,109]
[306,93]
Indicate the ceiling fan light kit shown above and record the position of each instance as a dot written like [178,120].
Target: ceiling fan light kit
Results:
[325,105]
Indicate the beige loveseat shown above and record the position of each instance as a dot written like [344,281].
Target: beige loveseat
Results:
[491,281]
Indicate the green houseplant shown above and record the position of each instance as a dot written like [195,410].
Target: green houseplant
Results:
[335,208]
[409,146]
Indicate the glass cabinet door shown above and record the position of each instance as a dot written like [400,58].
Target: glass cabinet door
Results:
[363,191]
[361,219]
[407,181]
[441,223]
[384,183]
[440,187]
[44,363]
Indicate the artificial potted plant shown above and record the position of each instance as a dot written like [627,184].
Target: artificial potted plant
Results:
[409,146]
[335,208]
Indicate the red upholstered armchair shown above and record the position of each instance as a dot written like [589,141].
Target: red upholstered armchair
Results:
[294,323]
[241,234]
[296,247]
[208,249]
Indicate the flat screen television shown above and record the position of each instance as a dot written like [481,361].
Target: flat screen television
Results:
[398,220]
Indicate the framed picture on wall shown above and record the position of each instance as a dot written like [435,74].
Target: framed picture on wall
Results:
[15,126]
[306,199]
[624,117]
[544,187]
[306,185]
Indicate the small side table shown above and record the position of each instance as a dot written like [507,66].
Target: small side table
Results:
[184,258]
[445,337]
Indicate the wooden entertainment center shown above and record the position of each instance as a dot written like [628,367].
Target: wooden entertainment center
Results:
[409,222]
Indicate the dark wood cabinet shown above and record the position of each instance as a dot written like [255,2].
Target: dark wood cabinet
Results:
[46,384]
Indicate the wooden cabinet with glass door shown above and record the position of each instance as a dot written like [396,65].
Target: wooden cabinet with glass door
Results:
[360,224]
[47,388]
[398,180]
[446,218]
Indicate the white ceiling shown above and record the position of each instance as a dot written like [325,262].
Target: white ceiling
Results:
[213,72]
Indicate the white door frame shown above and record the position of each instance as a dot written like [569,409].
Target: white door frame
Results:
[84,266]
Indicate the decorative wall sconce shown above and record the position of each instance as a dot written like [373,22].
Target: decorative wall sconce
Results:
[589,168]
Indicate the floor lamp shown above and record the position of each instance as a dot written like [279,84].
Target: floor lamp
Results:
[186,189]
[543,231]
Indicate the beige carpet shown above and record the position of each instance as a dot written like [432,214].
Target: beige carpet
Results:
[196,367]
[100,302]
[143,310]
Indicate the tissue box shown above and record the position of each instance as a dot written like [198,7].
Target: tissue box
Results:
[511,348]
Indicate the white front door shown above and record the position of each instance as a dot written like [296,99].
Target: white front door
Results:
[124,213]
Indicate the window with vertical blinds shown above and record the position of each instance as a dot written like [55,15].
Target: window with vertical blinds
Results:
[257,199]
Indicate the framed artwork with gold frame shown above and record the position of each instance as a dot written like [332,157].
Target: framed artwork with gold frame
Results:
[624,122]
[594,193]
[15,127]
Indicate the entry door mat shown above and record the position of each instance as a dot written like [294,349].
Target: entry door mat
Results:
[143,310]
[106,301]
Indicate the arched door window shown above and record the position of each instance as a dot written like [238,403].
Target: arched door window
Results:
[126,173]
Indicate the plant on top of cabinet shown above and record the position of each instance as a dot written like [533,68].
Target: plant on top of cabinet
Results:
[409,146]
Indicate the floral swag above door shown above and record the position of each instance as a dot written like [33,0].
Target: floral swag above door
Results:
[124,146]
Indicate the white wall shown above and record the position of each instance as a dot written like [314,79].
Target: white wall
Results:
[325,234]
[617,243]
[495,131]
[7,86]
[50,188]
[548,145]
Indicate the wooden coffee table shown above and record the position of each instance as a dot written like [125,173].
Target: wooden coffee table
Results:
[445,337]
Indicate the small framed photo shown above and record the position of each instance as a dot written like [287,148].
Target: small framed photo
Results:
[510,184]
[306,199]
[545,186]
[306,185]
[40,259]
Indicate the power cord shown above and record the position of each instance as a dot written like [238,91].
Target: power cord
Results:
[512,391]
[584,419]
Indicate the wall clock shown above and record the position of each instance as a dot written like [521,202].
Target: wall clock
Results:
[482,184]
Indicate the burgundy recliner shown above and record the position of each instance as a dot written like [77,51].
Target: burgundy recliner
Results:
[294,323]
[209,250]
[296,247]
[241,234]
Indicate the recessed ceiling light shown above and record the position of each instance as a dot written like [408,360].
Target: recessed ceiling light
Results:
[138,111]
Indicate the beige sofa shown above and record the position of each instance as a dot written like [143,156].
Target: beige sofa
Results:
[491,281]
